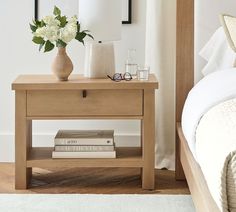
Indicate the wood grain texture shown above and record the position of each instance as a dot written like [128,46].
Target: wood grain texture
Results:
[126,157]
[186,165]
[184,63]
[23,142]
[45,98]
[148,140]
[203,200]
[91,181]
[104,117]
[29,148]
[60,103]
[78,82]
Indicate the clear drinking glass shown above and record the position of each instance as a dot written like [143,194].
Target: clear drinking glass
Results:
[131,63]
[143,73]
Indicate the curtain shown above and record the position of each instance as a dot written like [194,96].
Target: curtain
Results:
[160,56]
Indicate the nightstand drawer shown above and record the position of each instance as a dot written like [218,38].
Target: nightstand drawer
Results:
[84,103]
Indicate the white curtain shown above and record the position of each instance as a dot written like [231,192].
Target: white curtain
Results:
[160,56]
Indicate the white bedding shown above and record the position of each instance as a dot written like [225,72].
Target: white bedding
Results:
[209,125]
[210,91]
[215,150]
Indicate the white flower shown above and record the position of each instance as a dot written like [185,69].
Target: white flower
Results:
[52,33]
[40,32]
[51,21]
[68,33]
[73,20]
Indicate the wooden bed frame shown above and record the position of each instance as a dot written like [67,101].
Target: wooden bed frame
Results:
[186,166]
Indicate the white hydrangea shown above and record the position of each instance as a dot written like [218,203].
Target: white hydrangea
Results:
[40,32]
[73,20]
[52,33]
[51,21]
[69,32]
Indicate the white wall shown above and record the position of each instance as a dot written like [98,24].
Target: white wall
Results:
[18,55]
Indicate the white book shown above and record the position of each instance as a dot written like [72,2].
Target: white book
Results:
[80,148]
[84,137]
[57,155]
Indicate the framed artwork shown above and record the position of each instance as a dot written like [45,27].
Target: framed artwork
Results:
[126,11]
[45,7]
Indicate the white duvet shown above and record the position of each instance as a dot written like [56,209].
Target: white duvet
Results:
[209,125]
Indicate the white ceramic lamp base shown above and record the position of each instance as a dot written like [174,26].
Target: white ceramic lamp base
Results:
[99,60]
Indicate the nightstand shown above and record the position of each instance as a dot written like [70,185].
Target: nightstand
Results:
[42,97]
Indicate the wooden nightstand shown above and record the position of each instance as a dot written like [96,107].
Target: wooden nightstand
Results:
[41,97]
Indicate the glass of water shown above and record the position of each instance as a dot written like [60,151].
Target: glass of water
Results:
[143,73]
[131,63]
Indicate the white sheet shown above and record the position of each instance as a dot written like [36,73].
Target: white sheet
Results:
[210,91]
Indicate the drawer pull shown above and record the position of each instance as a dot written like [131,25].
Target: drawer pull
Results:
[84,93]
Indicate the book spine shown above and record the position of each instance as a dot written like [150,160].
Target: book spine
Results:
[90,142]
[84,148]
[58,155]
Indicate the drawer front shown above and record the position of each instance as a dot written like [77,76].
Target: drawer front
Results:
[95,103]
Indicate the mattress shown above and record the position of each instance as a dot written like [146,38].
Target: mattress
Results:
[209,126]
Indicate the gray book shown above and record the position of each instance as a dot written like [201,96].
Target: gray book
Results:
[84,137]
[80,148]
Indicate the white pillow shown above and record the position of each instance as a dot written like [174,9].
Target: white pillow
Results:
[217,53]
[229,24]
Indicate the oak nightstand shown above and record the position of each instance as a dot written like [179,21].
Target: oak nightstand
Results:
[41,97]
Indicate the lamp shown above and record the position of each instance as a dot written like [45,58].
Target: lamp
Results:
[103,19]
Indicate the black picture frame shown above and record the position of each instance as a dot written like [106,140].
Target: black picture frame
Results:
[129,21]
[36,9]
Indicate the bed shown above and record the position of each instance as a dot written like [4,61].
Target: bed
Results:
[191,25]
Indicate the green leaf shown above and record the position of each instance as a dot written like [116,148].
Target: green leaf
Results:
[33,28]
[80,36]
[90,36]
[48,46]
[38,40]
[61,43]
[78,27]
[63,21]
[82,42]
[37,23]
[56,11]
[42,24]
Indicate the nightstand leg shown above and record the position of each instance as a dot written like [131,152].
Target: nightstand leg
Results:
[141,145]
[29,147]
[148,140]
[23,142]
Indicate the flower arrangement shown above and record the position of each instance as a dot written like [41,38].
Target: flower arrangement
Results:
[57,30]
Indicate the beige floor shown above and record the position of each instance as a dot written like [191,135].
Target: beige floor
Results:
[91,181]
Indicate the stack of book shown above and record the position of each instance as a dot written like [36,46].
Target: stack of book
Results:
[84,144]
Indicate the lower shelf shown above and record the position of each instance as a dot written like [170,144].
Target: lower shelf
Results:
[126,157]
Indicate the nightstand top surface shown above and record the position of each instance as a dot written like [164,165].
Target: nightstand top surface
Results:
[49,82]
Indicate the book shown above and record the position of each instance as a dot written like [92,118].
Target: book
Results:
[84,137]
[58,155]
[80,148]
